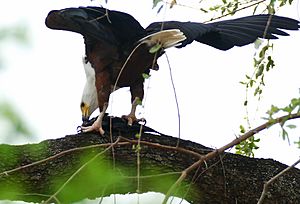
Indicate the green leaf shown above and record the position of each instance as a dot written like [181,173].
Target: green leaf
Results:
[155,2]
[291,126]
[258,91]
[260,70]
[155,48]
[247,147]
[146,76]
[258,43]
[215,8]
[295,101]
[138,136]
[242,129]
[297,143]
[285,134]
[251,82]
[139,101]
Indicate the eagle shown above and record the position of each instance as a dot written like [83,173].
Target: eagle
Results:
[119,52]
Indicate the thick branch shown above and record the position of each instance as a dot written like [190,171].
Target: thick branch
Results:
[272,180]
[77,167]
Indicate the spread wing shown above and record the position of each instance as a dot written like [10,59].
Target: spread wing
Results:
[99,23]
[224,35]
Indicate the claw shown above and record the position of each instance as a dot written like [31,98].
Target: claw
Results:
[79,129]
[97,125]
[101,131]
[94,127]
[132,119]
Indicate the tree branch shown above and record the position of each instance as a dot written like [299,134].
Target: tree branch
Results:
[216,152]
[81,166]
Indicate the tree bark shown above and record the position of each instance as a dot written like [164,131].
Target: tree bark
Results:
[229,178]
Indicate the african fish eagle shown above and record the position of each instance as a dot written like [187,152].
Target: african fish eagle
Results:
[117,47]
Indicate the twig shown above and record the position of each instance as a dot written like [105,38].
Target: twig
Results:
[240,9]
[138,161]
[166,147]
[56,156]
[216,152]
[127,141]
[153,175]
[268,183]
[176,100]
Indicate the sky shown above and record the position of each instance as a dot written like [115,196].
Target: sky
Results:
[44,80]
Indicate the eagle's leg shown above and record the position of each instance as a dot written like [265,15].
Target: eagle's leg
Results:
[103,86]
[97,125]
[137,94]
[131,117]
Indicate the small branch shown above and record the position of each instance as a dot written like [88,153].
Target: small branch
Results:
[176,99]
[237,10]
[127,142]
[153,175]
[268,183]
[166,147]
[56,156]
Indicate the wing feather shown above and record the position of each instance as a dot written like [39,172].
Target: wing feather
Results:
[226,34]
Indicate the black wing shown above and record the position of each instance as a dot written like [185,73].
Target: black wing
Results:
[224,35]
[97,22]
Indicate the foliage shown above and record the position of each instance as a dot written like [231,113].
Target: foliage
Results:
[274,111]
[263,63]
[18,34]
[248,146]
[262,60]
[10,114]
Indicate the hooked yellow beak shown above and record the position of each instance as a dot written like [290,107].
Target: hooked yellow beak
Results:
[85,111]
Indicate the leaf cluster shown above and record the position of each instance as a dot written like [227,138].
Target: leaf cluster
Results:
[247,147]
[262,63]
[227,7]
[292,107]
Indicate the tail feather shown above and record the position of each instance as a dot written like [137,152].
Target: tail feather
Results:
[166,38]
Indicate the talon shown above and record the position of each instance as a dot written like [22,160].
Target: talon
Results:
[101,131]
[79,129]
[130,119]
[89,128]
[97,125]
[143,120]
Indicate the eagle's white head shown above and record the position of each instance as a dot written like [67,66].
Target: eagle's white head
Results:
[89,102]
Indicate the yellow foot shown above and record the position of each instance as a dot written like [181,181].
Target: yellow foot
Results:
[97,126]
[93,128]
